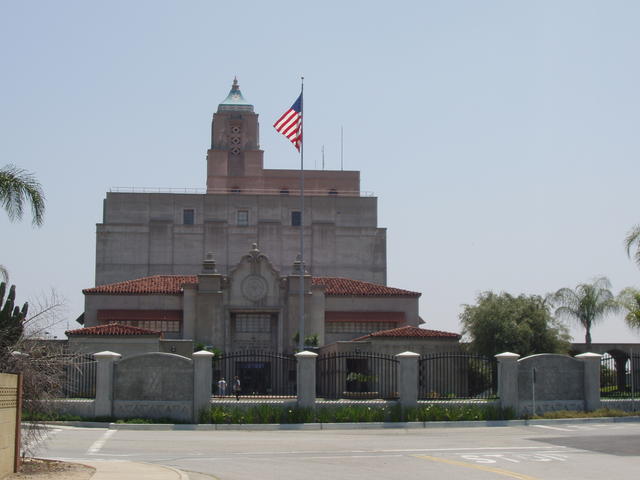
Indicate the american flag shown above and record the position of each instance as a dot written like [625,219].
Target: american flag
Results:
[290,123]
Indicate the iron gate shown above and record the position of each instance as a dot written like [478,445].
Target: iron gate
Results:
[356,375]
[260,373]
[457,375]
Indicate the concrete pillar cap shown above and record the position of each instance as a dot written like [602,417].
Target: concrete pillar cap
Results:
[408,354]
[507,355]
[306,354]
[106,354]
[203,354]
[589,355]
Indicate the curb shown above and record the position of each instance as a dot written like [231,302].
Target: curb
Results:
[345,426]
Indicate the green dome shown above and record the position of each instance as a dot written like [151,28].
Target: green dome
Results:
[235,100]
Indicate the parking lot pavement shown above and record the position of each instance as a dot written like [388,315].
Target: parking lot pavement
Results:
[550,451]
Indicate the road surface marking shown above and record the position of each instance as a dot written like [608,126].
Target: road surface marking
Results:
[98,444]
[499,471]
[553,428]
[398,450]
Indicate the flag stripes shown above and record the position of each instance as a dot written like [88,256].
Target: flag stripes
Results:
[290,123]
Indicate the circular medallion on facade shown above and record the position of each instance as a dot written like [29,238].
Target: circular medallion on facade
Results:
[254,287]
[235,140]
[235,129]
[235,151]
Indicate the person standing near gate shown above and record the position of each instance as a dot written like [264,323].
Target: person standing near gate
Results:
[237,387]
[222,387]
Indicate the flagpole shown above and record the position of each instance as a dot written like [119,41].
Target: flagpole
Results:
[301,319]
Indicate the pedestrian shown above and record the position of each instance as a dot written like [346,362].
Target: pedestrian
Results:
[237,387]
[222,387]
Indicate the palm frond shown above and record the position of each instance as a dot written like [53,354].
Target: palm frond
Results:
[18,186]
[633,238]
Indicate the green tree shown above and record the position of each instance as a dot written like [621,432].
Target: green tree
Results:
[588,304]
[629,300]
[501,322]
[633,240]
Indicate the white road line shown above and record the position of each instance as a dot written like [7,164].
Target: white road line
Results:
[98,444]
[553,428]
[351,456]
[399,450]
[465,448]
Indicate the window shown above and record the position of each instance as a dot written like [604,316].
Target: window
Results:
[284,191]
[242,218]
[188,216]
[296,219]
[333,191]
[253,323]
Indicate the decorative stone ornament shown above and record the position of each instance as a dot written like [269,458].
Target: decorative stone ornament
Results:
[254,288]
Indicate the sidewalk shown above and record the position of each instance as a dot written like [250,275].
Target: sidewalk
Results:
[122,470]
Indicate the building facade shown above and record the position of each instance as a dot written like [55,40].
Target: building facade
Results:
[144,234]
[220,268]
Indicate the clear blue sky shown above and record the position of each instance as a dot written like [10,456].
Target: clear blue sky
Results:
[501,137]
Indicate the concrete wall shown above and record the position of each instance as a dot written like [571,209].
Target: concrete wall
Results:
[93,303]
[154,385]
[142,234]
[8,419]
[559,383]
[125,345]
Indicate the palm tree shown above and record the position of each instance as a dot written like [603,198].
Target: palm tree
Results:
[588,303]
[629,299]
[18,186]
[633,237]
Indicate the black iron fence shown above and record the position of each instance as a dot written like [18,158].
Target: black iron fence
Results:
[79,377]
[457,375]
[620,375]
[357,375]
[260,374]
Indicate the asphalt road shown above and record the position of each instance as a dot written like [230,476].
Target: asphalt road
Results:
[552,451]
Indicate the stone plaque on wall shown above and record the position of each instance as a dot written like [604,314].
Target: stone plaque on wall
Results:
[154,376]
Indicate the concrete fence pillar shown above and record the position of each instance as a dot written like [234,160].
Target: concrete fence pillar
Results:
[408,379]
[591,380]
[103,405]
[202,381]
[306,378]
[508,380]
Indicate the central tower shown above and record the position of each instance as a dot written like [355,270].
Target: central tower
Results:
[235,145]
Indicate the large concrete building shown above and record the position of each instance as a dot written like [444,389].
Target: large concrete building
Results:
[145,234]
[220,268]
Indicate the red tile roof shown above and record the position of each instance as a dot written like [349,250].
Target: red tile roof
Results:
[111,329]
[158,284]
[397,317]
[410,332]
[346,287]
[172,285]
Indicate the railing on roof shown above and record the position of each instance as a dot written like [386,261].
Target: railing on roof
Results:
[242,191]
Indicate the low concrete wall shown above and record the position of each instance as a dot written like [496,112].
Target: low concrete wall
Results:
[153,385]
[549,382]
[84,408]
[9,416]
[624,404]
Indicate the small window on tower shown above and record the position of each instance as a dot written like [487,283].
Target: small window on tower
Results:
[296,219]
[242,218]
[188,216]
